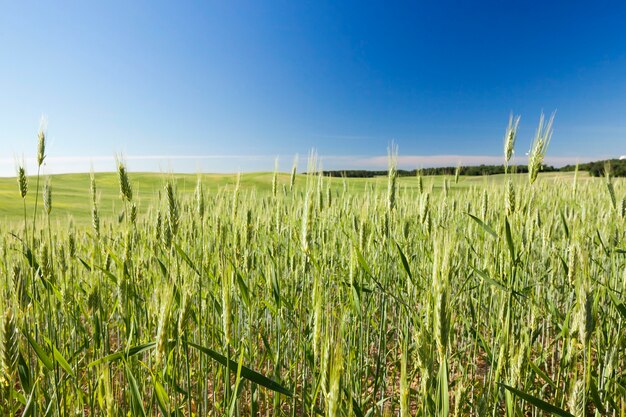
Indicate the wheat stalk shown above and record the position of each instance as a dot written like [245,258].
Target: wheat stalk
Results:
[539,147]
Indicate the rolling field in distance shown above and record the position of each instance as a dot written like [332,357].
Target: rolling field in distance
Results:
[71,191]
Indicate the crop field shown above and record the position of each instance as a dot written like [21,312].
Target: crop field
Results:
[281,294]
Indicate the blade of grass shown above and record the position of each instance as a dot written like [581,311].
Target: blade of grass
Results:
[537,402]
[246,372]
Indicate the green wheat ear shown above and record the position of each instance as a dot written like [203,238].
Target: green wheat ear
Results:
[509,198]
[41,141]
[126,189]
[47,196]
[275,178]
[576,403]
[172,208]
[609,184]
[420,182]
[22,180]
[539,147]
[9,346]
[95,217]
[509,139]
[199,195]
[294,169]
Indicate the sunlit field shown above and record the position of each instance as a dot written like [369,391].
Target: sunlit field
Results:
[285,294]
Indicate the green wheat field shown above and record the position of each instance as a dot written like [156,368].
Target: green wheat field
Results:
[129,294]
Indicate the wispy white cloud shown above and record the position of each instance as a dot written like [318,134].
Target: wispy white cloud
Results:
[61,159]
[142,163]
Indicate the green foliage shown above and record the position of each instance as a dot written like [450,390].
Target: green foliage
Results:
[597,168]
[471,171]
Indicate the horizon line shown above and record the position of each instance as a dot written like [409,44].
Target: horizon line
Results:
[264,163]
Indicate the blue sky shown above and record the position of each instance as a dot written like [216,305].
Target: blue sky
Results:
[229,85]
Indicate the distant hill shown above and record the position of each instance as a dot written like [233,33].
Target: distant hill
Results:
[595,169]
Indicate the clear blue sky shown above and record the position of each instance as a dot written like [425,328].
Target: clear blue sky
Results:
[253,80]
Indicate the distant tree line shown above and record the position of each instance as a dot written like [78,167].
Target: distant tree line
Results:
[595,169]
[477,170]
